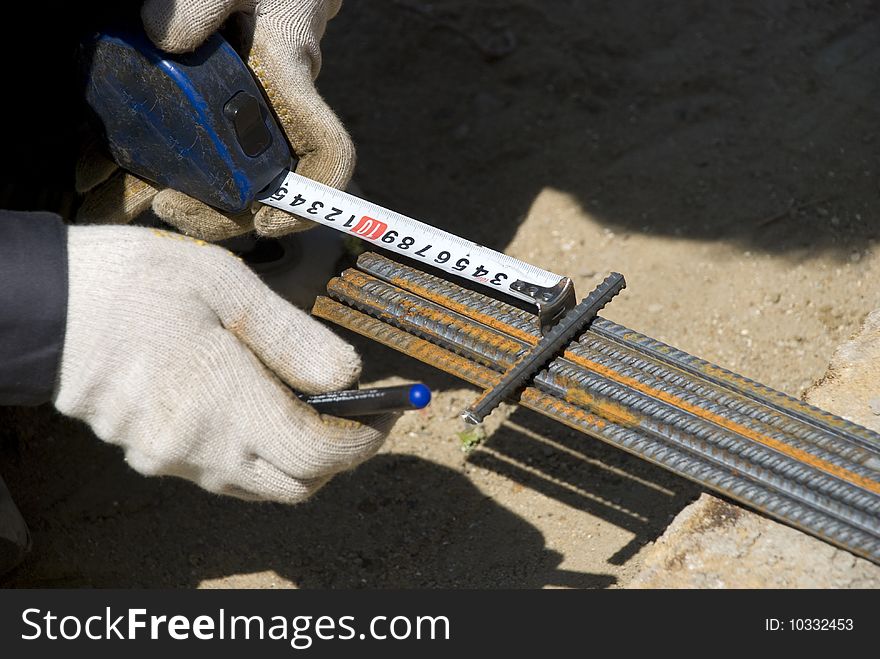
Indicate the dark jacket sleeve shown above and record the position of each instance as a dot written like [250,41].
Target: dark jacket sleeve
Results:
[33,305]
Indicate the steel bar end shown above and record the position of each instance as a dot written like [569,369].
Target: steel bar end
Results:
[471,418]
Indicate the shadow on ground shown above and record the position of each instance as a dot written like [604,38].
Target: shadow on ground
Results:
[585,474]
[573,468]
[397,521]
[754,123]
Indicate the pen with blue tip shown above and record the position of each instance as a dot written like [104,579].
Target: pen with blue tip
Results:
[361,402]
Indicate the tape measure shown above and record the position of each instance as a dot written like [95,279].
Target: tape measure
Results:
[197,122]
[421,242]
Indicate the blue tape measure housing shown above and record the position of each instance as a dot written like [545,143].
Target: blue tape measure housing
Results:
[195,122]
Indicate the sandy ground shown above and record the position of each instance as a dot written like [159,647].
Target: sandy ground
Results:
[724,158]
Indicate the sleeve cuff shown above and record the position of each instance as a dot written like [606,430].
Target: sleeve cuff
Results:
[33,305]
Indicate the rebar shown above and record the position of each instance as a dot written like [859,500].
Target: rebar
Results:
[573,323]
[795,462]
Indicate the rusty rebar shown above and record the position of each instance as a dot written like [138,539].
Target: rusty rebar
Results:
[572,324]
[799,464]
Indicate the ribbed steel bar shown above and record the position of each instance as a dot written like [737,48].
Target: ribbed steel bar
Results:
[799,464]
[727,388]
[572,324]
[613,429]
[825,480]
[731,388]
[493,348]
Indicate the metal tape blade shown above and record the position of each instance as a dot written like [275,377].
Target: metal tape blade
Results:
[301,196]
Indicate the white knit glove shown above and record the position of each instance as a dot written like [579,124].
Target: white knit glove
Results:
[280,40]
[176,352]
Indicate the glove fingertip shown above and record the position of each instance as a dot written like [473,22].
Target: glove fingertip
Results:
[197,219]
[339,367]
[273,223]
[180,26]
[92,169]
[271,483]
[119,200]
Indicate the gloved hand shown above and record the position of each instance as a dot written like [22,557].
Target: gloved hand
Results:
[280,40]
[175,351]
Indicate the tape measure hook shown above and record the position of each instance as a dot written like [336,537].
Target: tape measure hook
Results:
[552,301]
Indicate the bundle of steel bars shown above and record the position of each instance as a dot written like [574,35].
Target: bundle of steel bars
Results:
[774,453]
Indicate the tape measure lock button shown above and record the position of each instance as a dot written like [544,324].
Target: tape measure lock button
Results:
[245,113]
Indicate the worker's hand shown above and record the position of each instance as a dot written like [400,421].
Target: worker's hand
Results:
[175,351]
[280,44]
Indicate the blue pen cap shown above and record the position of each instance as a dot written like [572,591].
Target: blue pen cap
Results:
[419,396]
